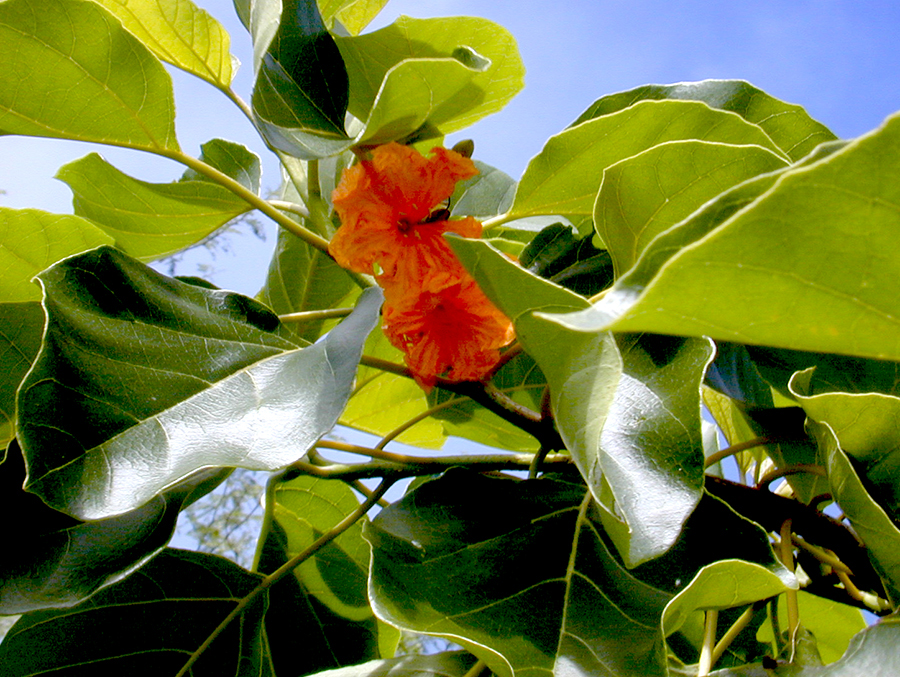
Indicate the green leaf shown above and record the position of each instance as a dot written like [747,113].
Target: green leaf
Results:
[32,240]
[179,364]
[448,560]
[788,125]
[435,75]
[180,33]
[866,426]
[148,220]
[21,326]
[624,405]
[301,279]
[354,15]
[325,601]
[832,624]
[116,91]
[149,623]
[488,193]
[565,176]
[645,194]
[645,443]
[869,520]
[521,380]
[300,95]
[60,561]
[558,255]
[232,159]
[757,278]
[383,402]
[872,652]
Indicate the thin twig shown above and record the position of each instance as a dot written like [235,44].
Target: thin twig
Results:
[287,568]
[797,469]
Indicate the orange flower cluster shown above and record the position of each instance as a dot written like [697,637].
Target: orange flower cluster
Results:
[434,311]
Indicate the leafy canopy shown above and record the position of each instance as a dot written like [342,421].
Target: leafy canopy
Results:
[681,260]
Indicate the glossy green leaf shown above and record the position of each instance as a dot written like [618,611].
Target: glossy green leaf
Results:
[150,624]
[148,220]
[60,561]
[645,194]
[300,95]
[565,176]
[832,624]
[868,519]
[301,279]
[353,15]
[72,71]
[435,75]
[180,33]
[627,407]
[21,327]
[447,560]
[325,600]
[446,664]
[788,125]
[31,240]
[792,269]
[184,369]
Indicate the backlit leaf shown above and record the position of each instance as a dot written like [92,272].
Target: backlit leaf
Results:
[788,125]
[758,277]
[180,33]
[148,220]
[31,240]
[435,75]
[71,71]
[645,194]
[565,176]
[354,15]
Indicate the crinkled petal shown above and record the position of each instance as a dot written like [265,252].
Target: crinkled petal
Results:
[455,333]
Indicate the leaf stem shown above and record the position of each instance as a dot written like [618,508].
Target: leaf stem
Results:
[800,468]
[292,207]
[722,454]
[476,669]
[415,466]
[709,640]
[315,315]
[287,568]
[251,198]
[732,633]
[787,558]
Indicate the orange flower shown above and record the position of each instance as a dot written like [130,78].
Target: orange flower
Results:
[455,333]
[385,206]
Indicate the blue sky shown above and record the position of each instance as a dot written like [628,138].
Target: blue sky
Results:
[839,59]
